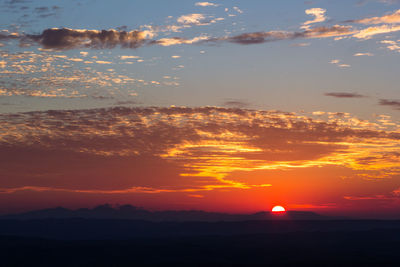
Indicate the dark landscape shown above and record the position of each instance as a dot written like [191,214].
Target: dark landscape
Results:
[106,236]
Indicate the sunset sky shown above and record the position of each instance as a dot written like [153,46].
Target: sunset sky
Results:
[231,106]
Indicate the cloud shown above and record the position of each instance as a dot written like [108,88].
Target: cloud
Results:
[326,32]
[389,23]
[238,10]
[205,4]
[369,32]
[344,95]
[103,62]
[363,54]
[301,44]
[337,63]
[50,74]
[318,13]
[257,37]
[392,45]
[390,18]
[236,103]
[72,38]
[5,35]
[128,57]
[263,37]
[178,41]
[393,195]
[193,149]
[192,19]
[392,103]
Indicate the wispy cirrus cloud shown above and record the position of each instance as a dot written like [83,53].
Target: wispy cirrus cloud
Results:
[370,32]
[389,23]
[178,41]
[390,19]
[363,54]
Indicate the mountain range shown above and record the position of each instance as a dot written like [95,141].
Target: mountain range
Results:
[128,212]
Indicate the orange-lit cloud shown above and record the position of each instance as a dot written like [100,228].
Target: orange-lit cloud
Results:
[369,32]
[206,4]
[178,41]
[363,54]
[192,19]
[390,18]
[392,45]
[318,13]
[194,149]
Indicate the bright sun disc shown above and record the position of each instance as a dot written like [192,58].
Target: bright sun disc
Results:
[278,209]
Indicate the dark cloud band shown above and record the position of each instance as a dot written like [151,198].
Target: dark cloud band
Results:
[344,95]
[392,103]
[71,38]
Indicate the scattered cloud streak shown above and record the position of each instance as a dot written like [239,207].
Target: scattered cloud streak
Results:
[337,63]
[391,103]
[206,4]
[344,95]
[369,32]
[264,37]
[192,19]
[390,18]
[392,45]
[363,54]
[179,41]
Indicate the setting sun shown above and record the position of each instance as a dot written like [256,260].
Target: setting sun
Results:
[278,209]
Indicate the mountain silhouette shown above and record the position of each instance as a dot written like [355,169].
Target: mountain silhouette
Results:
[129,212]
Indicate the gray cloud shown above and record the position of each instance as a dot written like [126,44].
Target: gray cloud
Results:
[264,37]
[70,38]
[5,36]
[236,103]
[392,103]
[344,95]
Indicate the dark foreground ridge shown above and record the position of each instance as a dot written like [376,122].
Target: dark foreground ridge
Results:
[352,248]
[120,237]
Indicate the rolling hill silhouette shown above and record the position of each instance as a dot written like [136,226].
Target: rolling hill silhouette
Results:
[129,212]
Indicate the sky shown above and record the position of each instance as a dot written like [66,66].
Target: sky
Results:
[230,106]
